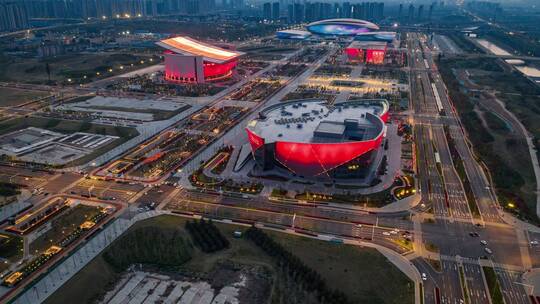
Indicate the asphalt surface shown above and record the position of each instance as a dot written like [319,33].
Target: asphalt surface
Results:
[453,231]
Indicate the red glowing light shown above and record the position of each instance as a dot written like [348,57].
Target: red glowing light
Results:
[254,140]
[375,56]
[216,70]
[311,159]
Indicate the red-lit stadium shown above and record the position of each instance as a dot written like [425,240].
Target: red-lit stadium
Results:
[372,52]
[191,61]
[311,138]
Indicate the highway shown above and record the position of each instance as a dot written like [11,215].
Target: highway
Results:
[446,223]
[453,219]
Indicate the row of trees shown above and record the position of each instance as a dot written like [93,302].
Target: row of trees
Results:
[207,236]
[149,245]
[9,189]
[295,269]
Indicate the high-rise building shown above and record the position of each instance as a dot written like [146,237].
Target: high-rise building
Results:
[290,13]
[267,10]
[237,4]
[298,13]
[275,11]
[379,11]
[347,10]
[336,11]
[421,12]
[400,11]
[13,16]
[411,12]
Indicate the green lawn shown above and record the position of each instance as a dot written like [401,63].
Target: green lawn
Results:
[74,66]
[493,285]
[364,274]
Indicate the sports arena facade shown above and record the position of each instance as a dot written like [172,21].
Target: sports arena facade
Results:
[310,138]
[372,52]
[190,61]
[341,27]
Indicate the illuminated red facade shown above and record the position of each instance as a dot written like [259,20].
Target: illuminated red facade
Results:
[216,71]
[366,52]
[191,61]
[313,159]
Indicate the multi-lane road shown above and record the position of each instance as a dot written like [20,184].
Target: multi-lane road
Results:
[454,231]
[448,225]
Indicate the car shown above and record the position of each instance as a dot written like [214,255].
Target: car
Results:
[534,242]
[474,234]
[488,250]
[393,232]
[424,276]
[386,233]
[359,225]
[483,242]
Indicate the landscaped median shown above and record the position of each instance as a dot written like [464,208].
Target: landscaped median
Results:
[402,187]
[460,169]
[200,180]
[493,285]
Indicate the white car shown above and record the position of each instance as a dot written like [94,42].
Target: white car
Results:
[488,250]
[393,232]
[424,277]
[386,233]
[483,242]
[535,242]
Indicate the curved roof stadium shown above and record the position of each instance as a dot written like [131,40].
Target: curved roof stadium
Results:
[311,137]
[341,27]
[192,47]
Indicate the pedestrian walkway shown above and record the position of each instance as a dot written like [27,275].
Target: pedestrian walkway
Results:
[63,271]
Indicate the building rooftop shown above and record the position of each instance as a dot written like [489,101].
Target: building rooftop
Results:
[314,121]
[371,45]
[189,46]
[26,139]
[346,21]
[298,34]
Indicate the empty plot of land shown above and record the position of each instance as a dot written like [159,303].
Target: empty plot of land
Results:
[447,45]
[14,97]
[76,66]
